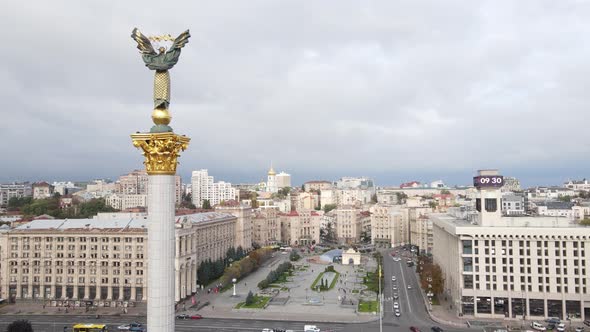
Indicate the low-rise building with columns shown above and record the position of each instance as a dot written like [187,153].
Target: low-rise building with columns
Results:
[103,259]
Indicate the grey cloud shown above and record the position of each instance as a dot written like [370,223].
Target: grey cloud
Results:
[320,88]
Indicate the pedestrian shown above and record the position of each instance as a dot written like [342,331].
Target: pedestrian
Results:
[212,307]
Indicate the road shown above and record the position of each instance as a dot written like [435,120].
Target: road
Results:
[412,307]
[411,302]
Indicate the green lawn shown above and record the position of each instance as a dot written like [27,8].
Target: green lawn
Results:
[368,306]
[316,282]
[372,282]
[259,303]
[355,291]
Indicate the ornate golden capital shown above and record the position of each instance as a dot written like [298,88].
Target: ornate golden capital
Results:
[161,151]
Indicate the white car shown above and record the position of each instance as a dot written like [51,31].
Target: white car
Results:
[538,326]
[393,278]
[397,313]
[561,327]
[395,305]
[409,286]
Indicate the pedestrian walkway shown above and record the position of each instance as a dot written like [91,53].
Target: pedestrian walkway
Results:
[40,308]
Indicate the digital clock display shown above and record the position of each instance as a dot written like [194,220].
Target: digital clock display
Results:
[488,181]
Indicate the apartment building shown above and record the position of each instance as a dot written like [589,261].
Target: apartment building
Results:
[103,260]
[300,227]
[347,225]
[386,226]
[512,267]
[266,227]
[199,237]
[204,188]
[136,183]
[8,191]
[243,231]
[317,185]
[126,201]
[42,190]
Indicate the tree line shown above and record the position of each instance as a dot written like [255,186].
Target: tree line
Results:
[274,275]
[50,206]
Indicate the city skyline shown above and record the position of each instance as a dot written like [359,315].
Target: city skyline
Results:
[409,91]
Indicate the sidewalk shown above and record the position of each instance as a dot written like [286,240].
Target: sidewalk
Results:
[37,308]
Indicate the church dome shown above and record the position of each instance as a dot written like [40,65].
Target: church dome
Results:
[271,171]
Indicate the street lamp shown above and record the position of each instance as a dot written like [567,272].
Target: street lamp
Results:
[234,280]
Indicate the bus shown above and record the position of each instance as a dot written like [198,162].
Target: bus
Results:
[90,328]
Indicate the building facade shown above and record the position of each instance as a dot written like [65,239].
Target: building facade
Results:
[42,190]
[18,190]
[243,231]
[266,227]
[317,185]
[103,259]
[347,225]
[283,180]
[204,188]
[512,267]
[386,226]
[300,228]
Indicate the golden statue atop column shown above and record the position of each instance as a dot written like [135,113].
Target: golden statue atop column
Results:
[161,146]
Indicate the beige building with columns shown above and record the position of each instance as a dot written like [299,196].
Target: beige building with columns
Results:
[386,226]
[266,227]
[300,227]
[243,231]
[103,260]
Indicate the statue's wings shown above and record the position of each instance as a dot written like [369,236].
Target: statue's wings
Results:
[143,43]
[181,40]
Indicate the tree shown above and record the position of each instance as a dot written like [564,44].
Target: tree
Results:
[374,198]
[329,207]
[365,237]
[20,326]
[206,204]
[444,192]
[565,198]
[433,204]
[401,197]
[585,222]
[250,298]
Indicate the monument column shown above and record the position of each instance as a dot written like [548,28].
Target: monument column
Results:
[161,148]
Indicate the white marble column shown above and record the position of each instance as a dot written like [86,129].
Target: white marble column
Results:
[161,245]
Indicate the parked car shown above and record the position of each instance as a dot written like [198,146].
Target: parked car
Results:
[196,316]
[395,305]
[414,329]
[587,322]
[436,329]
[183,316]
[553,320]
[409,286]
[561,327]
[580,329]
[395,296]
[538,326]
[550,326]
[392,278]
[397,313]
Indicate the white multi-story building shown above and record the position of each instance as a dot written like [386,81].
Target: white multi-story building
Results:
[300,228]
[347,224]
[555,209]
[136,183]
[42,190]
[243,231]
[511,184]
[510,267]
[317,185]
[356,183]
[283,180]
[204,188]
[513,205]
[342,197]
[64,188]
[124,202]
[386,226]
[577,184]
[8,191]
[266,227]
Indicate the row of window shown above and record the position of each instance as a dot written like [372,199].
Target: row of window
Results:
[72,271]
[81,280]
[79,239]
[72,263]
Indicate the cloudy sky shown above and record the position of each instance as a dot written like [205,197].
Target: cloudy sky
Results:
[395,90]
